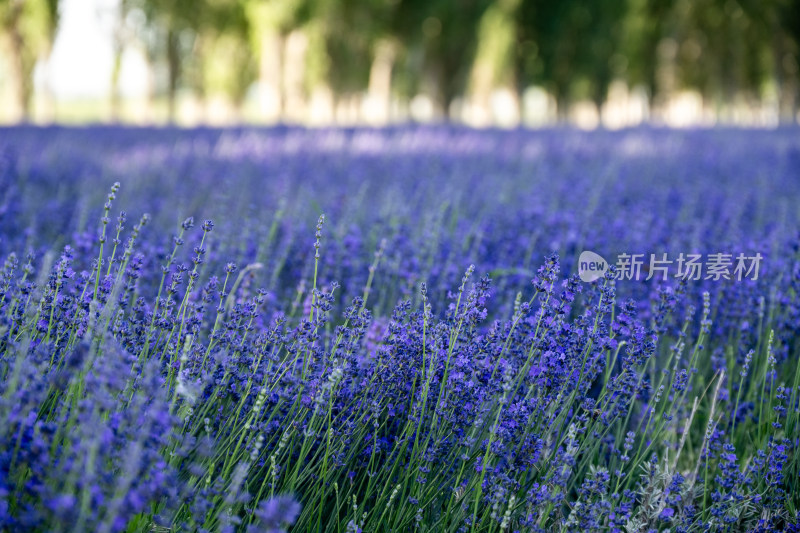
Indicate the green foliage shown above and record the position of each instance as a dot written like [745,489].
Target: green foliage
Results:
[575,48]
[27,30]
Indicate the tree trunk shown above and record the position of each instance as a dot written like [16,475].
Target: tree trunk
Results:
[379,91]
[481,85]
[785,82]
[200,49]
[148,105]
[173,67]
[119,41]
[270,97]
[294,71]
[115,90]
[20,66]
[562,103]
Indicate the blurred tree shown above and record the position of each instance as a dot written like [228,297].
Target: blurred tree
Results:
[122,37]
[775,26]
[227,64]
[400,47]
[787,57]
[351,27]
[571,47]
[170,31]
[716,48]
[270,23]
[644,27]
[28,29]
[440,39]
[495,61]
[728,50]
[202,43]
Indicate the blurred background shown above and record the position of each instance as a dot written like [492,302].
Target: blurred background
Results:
[609,63]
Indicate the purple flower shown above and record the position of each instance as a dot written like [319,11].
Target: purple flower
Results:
[276,515]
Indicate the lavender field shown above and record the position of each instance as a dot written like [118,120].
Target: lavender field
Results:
[385,330]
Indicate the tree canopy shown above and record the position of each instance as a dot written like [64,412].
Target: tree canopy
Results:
[287,50]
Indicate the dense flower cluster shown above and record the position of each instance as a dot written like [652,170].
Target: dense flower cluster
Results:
[430,361]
